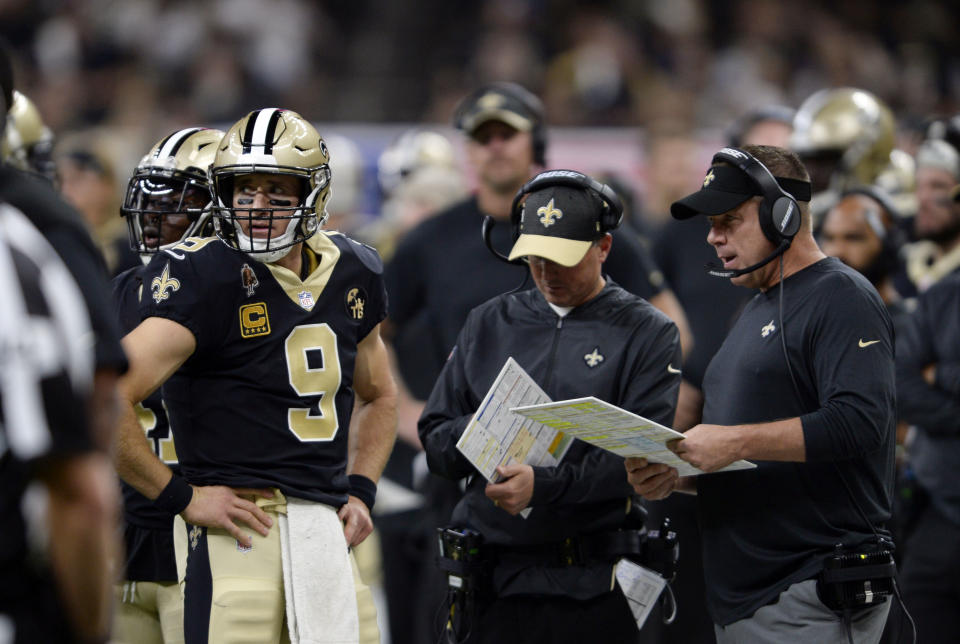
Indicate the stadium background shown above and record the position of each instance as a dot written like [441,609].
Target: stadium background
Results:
[113,76]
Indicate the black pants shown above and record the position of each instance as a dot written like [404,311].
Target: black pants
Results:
[930,578]
[36,614]
[555,620]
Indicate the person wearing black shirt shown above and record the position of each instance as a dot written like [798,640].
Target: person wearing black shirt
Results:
[441,271]
[82,496]
[803,386]
[58,501]
[928,394]
[576,334]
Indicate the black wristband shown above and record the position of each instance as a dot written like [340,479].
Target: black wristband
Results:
[364,489]
[175,497]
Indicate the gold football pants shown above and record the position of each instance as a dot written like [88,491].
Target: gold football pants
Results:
[148,613]
[233,594]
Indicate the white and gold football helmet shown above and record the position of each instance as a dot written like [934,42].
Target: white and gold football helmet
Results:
[851,128]
[271,141]
[27,143]
[168,196]
[411,151]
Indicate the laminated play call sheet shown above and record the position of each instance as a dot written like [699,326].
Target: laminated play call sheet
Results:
[497,436]
[615,430]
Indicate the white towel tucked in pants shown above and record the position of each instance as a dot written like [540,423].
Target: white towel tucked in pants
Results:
[317,578]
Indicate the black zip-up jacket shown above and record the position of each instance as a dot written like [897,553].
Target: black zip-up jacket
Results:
[588,492]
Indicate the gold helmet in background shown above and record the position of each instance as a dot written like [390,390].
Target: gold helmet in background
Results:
[411,151]
[844,136]
[899,180]
[274,141]
[167,196]
[27,143]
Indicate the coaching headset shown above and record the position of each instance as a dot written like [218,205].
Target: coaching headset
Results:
[779,212]
[609,207]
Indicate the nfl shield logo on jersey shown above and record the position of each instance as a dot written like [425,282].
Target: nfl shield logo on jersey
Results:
[306,299]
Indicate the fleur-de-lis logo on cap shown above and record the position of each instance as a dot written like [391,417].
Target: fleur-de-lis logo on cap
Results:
[548,214]
[490,101]
[707,179]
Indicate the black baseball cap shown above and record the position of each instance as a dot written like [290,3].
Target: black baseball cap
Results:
[725,187]
[505,102]
[558,223]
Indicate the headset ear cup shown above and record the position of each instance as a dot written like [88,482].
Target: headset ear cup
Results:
[608,218]
[614,218]
[786,217]
[767,226]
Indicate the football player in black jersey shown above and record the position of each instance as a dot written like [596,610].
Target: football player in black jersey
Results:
[267,344]
[165,203]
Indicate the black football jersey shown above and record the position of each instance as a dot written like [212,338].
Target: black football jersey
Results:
[266,398]
[138,510]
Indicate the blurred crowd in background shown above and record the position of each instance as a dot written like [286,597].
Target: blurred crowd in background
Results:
[112,76]
[690,62]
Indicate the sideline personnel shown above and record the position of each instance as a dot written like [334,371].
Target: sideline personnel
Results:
[804,386]
[576,334]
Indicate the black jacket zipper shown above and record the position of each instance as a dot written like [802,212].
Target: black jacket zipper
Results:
[553,355]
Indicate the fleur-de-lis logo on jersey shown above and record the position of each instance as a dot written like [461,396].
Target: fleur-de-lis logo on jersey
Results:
[707,179]
[548,214]
[163,285]
[593,358]
[768,329]
[195,533]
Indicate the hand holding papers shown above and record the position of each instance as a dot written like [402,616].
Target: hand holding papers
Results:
[615,430]
[517,423]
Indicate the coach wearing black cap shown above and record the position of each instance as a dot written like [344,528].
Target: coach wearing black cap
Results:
[576,334]
[441,270]
[803,386]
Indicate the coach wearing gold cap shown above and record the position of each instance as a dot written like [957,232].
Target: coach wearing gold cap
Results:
[577,334]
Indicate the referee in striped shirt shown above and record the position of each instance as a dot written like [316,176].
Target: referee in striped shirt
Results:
[58,495]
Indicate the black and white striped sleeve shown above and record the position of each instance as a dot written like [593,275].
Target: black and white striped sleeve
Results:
[46,346]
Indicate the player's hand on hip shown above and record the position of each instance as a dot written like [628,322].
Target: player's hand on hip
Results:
[708,447]
[652,481]
[357,524]
[514,492]
[219,506]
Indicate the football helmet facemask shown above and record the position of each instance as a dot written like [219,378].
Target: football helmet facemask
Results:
[168,196]
[270,141]
[27,143]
